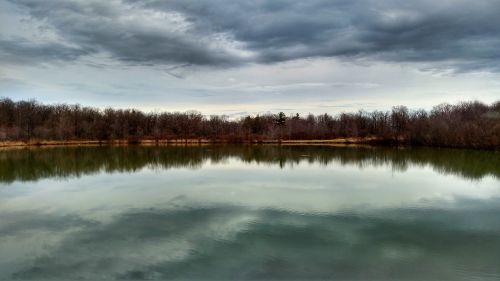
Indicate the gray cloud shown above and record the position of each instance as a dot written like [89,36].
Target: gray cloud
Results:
[22,51]
[457,34]
[423,31]
[126,32]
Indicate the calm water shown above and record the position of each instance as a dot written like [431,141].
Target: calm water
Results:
[249,213]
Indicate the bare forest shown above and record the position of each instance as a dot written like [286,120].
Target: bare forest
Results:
[467,125]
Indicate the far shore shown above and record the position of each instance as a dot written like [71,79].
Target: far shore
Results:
[44,143]
[342,142]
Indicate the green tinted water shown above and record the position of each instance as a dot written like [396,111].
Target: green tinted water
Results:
[249,213]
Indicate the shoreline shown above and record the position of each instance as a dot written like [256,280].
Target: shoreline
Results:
[367,142]
[46,143]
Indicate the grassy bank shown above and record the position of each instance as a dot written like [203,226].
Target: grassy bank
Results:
[33,143]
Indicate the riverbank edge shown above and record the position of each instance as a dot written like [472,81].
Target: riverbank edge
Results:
[34,143]
[366,141]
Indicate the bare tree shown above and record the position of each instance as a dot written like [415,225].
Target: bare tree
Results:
[467,124]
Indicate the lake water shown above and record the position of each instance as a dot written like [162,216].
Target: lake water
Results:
[249,213]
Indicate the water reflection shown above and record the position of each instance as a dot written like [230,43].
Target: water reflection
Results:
[249,213]
[233,243]
[34,164]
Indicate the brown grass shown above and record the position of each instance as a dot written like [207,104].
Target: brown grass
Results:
[34,143]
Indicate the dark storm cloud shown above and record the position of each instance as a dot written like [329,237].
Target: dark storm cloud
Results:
[460,34]
[126,33]
[421,31]
[23,51]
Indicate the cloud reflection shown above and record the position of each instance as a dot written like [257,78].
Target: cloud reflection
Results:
[248,213]
[235,243]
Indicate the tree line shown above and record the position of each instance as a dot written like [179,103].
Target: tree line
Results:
[466,124]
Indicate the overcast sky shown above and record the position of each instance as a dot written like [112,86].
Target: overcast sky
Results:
[246,57]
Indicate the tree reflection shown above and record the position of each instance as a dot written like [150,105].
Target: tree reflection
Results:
[64,162]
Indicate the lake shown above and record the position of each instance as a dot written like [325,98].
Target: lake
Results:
[249,213]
